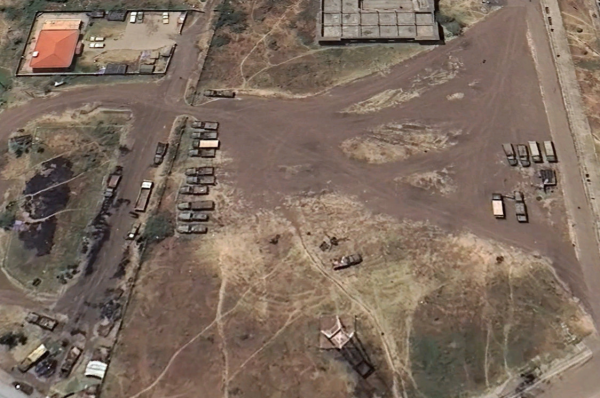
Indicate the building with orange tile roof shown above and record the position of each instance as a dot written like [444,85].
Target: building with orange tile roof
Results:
[54,49]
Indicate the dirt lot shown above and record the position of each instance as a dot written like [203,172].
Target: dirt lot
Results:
[269,47]
[54,189]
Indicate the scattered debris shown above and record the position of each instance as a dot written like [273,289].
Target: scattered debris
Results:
[275,239]
[42,321]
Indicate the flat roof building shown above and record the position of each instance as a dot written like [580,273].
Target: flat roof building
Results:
[377,20]
[54,49]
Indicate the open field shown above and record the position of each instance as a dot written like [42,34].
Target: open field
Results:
[267,47]
[54,190]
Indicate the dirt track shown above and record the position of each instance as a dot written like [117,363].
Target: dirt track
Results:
[502,102]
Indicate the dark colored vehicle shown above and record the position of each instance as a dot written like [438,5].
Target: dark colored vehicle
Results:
[205,135]
[523,153]
[509,151]
[197,205]
[161,151]
[204,180]
[520,208]
[192,216]
[206,125]
[191,229]
[193,190]
[46,367]
[219,93]
[200,171]
[347,261]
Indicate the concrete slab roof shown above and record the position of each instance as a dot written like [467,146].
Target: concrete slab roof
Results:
[424,18]
[406,18]
[369,18]
[387,18]
[427,32]
[351,19]
[332,31]
[350,31]
[332,6]
[388,31]
[332,19]
[407,31]
[350,6]
[371,31]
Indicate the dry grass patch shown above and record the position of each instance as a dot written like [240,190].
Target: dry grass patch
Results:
[438,181]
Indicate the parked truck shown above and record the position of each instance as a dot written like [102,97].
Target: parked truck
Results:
[534,149]
[205,144]
[509,151]
[523,155]
[192,216]
[203,153]
[498,205]
[520,208]
[193,190]
[34,357]
[144,196]
[346,261]
[197,205]
[205,135]
[70,361]
[161,151]
[219,93]
[550,154]
[42,321]
[200,171]
[113,182]
[203,180]
[191,229]
[206,125]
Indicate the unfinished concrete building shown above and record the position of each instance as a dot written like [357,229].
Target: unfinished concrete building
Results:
[377,20]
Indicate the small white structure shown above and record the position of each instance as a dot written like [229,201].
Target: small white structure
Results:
[96,369]
[335,333]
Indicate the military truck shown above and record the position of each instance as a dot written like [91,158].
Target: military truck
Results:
[346,261]
[206,125]
[42,321]
[523,155]
[205,135]
[509,151]
[112,182]
[520,208]
[161,151]
[205,144]
[70,361]
[219,93]
[197,205]
[201,180]
[534,149]
[191,229]
[34,357]
[550,153]
[192,216]
[498,205]
[202,153]
[200,171]
[193,190]
[144,196]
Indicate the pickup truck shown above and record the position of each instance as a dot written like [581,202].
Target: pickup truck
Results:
[509,151]
[192,216]
[203,153]
[523,155]
[191,229]
[205,135]
[193,190]
[161,151]
[346,261]
[219,93]
[200,171]
[520,208]
[205,180]
[197,205]
[498,205]
[42,321]
[206,125]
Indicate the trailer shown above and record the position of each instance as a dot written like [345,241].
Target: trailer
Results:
[192,216]
[34,357]
[205,135]
[161,151]
[200,171]
[197,205]
[523,155]
[144,196]
[42,321]
[520,208]
[70,361]
[498,205]
[534,149]
[550,153]
[206,125]
[193,190]
[509,151]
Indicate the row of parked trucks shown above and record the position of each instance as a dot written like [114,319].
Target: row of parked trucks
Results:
[520,207]
[205,139]
[522,155]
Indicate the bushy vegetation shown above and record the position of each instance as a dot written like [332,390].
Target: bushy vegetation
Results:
[159,227]
[13,339]
[8,216]
[231,18]
[450,24]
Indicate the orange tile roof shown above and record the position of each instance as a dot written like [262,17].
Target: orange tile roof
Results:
[56,49]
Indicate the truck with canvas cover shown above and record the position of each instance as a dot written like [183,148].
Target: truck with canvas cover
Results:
[210,144]
[34,357]
[550,153]
[520,208]
[498,205]
[509,151]
[192,216]
[193,190]
[205,135]
[70,360]
[206,125]
[534,149]
[161,151]
[197,205]
[203,180]
[144,196]
[523,155]
[200,171]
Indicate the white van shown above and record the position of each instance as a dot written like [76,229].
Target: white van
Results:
[132,17]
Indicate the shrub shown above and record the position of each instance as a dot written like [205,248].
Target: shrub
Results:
[159,227]
[229,17]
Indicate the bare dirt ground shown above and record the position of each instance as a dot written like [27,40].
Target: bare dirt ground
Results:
[269,47]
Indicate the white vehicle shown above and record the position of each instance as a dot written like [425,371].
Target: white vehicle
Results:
[534,149]
[96,45]
[98,38]
[132,17]
[92,38]
[165,18]
[549,149]
[498,205]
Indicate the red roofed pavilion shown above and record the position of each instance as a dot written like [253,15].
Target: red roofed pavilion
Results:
[55,49]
